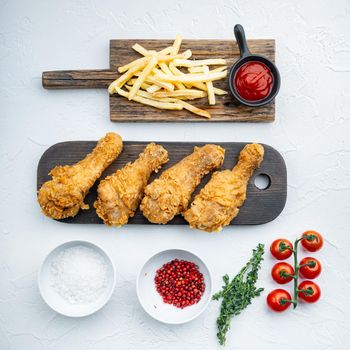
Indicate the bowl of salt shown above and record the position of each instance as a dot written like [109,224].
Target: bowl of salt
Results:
[77,278]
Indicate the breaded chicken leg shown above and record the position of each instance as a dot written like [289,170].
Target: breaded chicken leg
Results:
[120,194]
[170,194]
[63,196]
[218,203]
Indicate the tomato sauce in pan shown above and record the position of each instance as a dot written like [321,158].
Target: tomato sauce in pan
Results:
[253,81]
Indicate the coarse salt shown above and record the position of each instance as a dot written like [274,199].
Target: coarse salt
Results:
[79,274]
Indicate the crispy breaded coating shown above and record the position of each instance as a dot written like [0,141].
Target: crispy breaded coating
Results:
[63,196]
[170,194]
[119,195]
[219,201]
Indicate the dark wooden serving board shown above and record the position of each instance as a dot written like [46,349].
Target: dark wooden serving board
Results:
[261,206]
[123,110]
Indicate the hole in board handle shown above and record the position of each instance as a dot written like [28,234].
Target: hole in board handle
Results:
[262,182]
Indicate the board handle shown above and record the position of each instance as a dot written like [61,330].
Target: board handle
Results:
[78,79]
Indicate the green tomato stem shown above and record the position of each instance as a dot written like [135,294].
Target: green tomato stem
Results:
[283,247]
[284,274]
[308,291]
[285,301]
[310,263]
[294,250]
[296,272]
[297,267]
[309,238]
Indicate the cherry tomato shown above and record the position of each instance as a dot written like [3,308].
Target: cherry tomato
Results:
[281,248]
[279,272]
[314,291]
[313,241]
[312,269]
[277,300]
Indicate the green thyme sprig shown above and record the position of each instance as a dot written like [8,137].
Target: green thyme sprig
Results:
[238,294]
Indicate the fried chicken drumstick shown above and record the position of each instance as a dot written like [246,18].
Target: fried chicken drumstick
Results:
[170,194]
[218,203]
[120,194]
[63,196]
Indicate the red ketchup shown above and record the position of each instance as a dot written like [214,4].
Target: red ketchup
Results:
[253,81]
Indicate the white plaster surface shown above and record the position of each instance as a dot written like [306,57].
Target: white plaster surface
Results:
[311,131]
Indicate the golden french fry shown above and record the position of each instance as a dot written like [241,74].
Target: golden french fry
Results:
[161,58]
[177,71]
[210,88]
[202,86]
[144,52]
[169,58]
[151,97]
[141,78]
[155,80]
[200,69]
[162,84]
[167,71]
[149,102]
[219,69]
[156,71]
[218,91]
[163,66]
[166,51]
[193,70]
[153,88]
[185,105]
[195,110]
[126,67]
[191,78]
[185,55]
[144,85]
[193,63]
[126,76]
[186,93]
[140,49]
[159,104]
[177,44]
[174,70]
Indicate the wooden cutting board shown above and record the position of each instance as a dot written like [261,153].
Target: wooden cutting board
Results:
[261,206]
[123,110]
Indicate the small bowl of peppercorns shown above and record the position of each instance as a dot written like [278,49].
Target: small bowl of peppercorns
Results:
[174,286]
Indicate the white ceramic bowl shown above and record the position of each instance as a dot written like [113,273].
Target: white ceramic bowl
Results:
[56,301]
[153,303]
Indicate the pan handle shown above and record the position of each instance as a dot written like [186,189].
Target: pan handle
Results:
[241,41]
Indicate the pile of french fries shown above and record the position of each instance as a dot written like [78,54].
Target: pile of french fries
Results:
[156,79]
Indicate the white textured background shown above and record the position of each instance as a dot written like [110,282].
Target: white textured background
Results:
[311,131]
